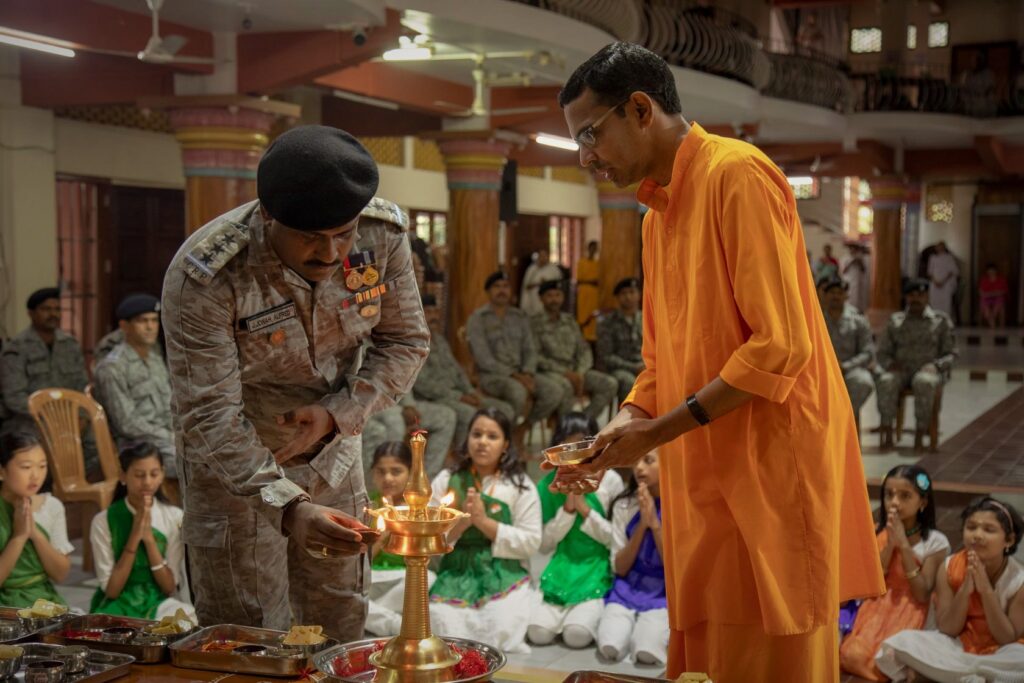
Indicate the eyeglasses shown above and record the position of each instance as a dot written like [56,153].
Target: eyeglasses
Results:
[587,137]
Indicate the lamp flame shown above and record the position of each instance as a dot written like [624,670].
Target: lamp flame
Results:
[381,526]
[448,499]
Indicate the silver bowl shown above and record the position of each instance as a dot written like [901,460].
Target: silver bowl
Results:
[308,650]
[287,651]
[574,453]
[324,662]
[251,650]
[118,634]
[73,656]
[9,666]
[36,623]
[44,671]
[10,629]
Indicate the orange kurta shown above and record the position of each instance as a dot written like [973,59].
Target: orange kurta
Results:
[766,511]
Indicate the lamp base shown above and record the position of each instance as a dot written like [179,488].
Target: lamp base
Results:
[406,660]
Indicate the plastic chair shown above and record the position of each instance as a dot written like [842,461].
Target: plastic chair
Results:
[57,415]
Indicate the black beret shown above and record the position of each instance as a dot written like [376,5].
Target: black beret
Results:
[315,178]
[137,304]
[494,277]
[916,284]
[40,295]
[626,283]
[830,281]
[428,300]
[548,285]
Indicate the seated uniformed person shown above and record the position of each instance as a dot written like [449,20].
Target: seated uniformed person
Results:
[505,353]
[42,356]
[289,321]
[851,339]
[620,336]
[916,350]
[132,382]
[396,423]
[443,379]
[565,357]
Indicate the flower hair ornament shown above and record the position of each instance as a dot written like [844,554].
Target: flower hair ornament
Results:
[923,482]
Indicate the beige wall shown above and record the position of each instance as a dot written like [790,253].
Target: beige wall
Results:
[124,155]
[28,212]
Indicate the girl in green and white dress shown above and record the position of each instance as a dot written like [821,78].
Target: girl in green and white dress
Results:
[33,527]
[483,588]
[577,530]
[137,545]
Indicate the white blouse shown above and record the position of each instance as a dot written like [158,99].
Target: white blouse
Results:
[166,519]
[520,539]
[936,543]
[52,518]
[597,526]
[1009,584]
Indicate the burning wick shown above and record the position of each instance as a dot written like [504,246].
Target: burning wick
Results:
[447,500]
[420,432]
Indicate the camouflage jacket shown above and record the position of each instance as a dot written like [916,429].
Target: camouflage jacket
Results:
[136,394]
[912,341]
[620,341]
[560,344]
[442,377]
[851,338]
[501,346]
[248,339]
[27,365]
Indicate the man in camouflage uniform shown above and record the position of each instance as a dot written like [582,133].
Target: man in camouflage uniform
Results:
[917,350]
[267,312]
[394,424]
[444,381]
[505,354]
[620,337]
[851,339]
[565,357]
[42,356]
[132,382]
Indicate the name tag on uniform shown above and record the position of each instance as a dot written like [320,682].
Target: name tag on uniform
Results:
[268,318]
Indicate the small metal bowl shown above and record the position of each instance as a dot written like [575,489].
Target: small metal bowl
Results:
[9,666]
[44,671]
[36,623]
[251,650]
[10,629]
[117,634]
[308,650]
[149,639]
[573,453]
[73,656]
[286,651]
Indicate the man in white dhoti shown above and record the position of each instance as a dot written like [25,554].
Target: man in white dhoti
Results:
[943,272]
[854,271]
[539,272]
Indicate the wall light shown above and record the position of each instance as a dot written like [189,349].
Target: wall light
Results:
[556,141]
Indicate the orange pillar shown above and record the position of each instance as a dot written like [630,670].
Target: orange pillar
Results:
[620,238]
[220,149]
[889,197]
[474,166]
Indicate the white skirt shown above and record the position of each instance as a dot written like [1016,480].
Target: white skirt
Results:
[942,659]
[501,622]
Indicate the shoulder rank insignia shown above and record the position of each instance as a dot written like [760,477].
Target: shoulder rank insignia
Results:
[215,249]
[386,211]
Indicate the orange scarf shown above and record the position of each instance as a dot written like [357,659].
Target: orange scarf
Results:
[976,636]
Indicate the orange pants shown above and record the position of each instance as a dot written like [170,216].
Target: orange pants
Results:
[731,653]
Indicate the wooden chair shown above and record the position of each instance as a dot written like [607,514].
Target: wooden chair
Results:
[57,415]
[933,426]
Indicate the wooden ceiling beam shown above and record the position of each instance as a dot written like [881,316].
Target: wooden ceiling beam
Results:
[406,88]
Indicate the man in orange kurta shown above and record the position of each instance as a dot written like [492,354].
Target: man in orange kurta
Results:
[767,524]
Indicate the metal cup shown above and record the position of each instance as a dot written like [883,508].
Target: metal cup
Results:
[251,650]
[9,666]
[44,671]
[10,629]
[117,634]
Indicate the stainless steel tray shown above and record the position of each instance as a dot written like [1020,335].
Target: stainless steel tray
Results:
[100,666]
[11,614]
[188,652]
[143,654]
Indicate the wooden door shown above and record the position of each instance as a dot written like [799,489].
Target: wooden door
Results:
[530,233]
[997,240]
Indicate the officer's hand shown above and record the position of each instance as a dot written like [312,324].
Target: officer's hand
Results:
[324,532]
[311,423]
[411,416]
[930,367]
[526,380]
[576,380]
[471,399]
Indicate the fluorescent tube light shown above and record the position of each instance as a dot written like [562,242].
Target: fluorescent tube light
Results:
[556,141]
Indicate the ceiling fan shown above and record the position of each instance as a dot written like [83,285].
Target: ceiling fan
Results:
[161,49]
[482,79]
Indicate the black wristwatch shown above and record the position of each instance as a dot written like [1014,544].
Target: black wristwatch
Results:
[697,410]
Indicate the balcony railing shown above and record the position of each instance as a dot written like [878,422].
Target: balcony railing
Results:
[811,77]
[925,88]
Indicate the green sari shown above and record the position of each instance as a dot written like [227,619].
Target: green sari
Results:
[470,576]
[141,594]
[28,580]
[580,569]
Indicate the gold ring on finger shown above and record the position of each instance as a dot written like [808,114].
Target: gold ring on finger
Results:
[323,551]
